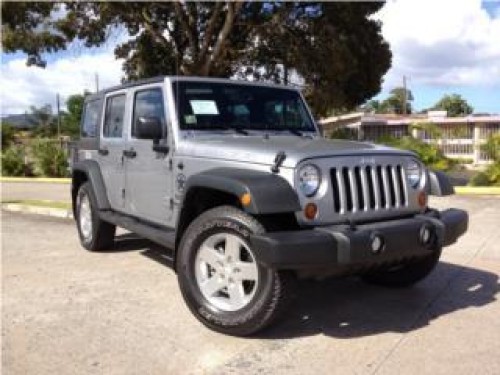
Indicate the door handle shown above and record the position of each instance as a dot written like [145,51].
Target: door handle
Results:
[130,153]
[103,151]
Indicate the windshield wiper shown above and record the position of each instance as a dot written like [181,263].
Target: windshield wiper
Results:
[237,130]
[295,132]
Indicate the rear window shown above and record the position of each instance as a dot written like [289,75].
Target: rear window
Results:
[90,122]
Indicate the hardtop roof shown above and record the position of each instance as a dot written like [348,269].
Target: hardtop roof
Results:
[158,79]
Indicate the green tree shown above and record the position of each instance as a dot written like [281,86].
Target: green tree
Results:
[396,100]
[454,104]
[71,119]
[372,106]
[45,120]
[335,50]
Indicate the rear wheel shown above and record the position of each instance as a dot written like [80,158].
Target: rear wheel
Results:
[221,281]
[94,233]
[405,274]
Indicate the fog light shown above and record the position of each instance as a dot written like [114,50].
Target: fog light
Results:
[310,211]
[425,235]
[377,243]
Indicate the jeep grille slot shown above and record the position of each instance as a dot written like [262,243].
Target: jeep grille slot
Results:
[365,188]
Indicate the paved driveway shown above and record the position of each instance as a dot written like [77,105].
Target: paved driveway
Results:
[68,311]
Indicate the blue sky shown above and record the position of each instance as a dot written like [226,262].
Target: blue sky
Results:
[442,46]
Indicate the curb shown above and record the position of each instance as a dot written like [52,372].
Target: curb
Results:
[36,179]
[477,190]
[36,210]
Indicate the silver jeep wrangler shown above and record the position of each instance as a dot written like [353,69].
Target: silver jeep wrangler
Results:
[237,181]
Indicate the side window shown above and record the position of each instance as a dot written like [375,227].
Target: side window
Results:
[114,116]
[148,103]
[90,123]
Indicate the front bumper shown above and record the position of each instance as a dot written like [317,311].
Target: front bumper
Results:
[347,246]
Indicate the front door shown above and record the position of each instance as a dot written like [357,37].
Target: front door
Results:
[148,173]
[110,154]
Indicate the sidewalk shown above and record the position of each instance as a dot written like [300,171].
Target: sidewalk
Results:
[48,209]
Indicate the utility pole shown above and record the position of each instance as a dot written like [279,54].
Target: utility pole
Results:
[405,95]
[96,76]
[58,116]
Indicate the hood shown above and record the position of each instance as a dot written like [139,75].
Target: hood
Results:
[261,150]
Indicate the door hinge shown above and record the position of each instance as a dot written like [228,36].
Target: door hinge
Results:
[123,193]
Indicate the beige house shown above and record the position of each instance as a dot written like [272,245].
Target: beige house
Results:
[457,137]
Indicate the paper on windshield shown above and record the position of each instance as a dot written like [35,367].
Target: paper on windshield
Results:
[204,107]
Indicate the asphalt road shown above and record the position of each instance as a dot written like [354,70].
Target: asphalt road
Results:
[68,311]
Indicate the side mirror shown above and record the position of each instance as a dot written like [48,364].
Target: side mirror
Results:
[148,128]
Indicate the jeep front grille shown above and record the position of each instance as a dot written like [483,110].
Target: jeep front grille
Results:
[365,188]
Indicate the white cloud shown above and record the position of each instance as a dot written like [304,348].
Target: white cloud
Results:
[442,42]
[24,86]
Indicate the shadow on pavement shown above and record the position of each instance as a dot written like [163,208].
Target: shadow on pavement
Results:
[348,307]
[131,242]
[345,308]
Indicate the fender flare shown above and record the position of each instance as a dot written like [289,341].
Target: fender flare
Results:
[439,184]
[269,192]
[93,172]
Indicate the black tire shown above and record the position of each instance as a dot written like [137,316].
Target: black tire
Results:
[273,290]
[406,274]
[102,233]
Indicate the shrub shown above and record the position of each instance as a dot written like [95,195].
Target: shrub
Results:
[50,159]
[430,154]
[8,135]
[343,133]
[13,161]
[490,176]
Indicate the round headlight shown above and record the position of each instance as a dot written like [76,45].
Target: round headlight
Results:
[413,173]
[309,179]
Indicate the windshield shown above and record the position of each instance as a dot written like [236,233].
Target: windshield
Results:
[211,105]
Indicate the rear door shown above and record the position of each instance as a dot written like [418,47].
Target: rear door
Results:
[149,173]
[110,154]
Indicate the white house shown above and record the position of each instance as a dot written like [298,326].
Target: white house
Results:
[459,137]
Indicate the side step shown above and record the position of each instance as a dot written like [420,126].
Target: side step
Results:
[160,235]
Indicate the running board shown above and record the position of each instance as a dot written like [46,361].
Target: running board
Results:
[160,235]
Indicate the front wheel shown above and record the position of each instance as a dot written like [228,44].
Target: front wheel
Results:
[405,274]
[221,281]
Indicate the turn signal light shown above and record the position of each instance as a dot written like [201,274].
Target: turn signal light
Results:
[422,199]
[246,199]
[310,211]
